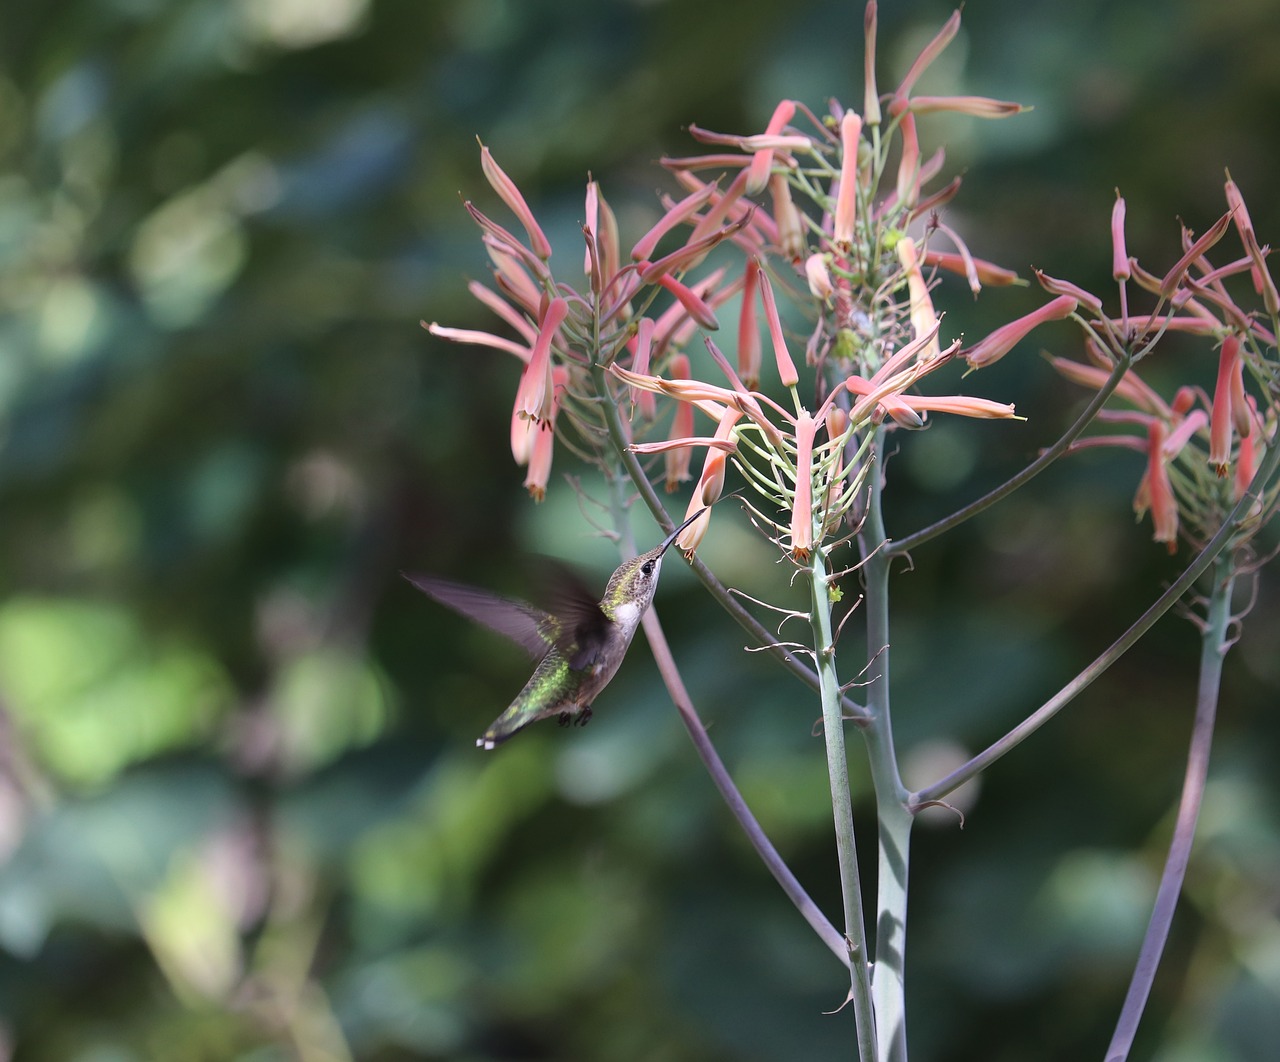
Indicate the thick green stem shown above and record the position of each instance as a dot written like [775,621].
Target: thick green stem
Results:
[842,806]
[711,760]
[1214,643]
[759,633]
[894,817]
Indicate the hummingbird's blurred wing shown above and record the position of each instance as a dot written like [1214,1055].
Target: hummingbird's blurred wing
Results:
[583,625]
[532,629]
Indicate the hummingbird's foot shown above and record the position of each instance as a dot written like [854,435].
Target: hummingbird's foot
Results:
[584,717]
[565,719]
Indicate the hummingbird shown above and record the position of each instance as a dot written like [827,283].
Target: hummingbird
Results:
[579,647]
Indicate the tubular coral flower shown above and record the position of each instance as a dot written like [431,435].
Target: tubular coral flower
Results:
[695,306]
[534,396]
[819,277]
[482,339]
[543,441]
[909,165]
[640,364]
[1175,275]
[762,161]
[510,194]
[802,504]
[505,310]
[923,318]
[681,211]
[786,367]
[748,328]
[787,218]
[995,346]
[870,93]
[1119,253]
[977,270]
[847,199]
[929,53]
[1054,286]
[976,106]
[677,460]
[1262,281]
[1159,491]
[1249,455]
[1227,394]
[1132,388]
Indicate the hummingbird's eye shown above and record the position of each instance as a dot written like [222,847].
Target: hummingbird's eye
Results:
[647,567]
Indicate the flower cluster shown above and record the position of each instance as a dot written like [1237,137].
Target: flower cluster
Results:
[1201,451]
[835,212]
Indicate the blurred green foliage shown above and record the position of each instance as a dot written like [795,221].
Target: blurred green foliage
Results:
[241,816]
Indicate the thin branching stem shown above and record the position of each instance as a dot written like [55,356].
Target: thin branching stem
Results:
[1224,539]
[1215,641]
[905,545]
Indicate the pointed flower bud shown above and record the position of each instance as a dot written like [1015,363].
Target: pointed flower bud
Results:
[847,197]
[996,345]
[762,161]
[929,53]
[870,93]
[787,218]
[510,194]
[534,395]
[749,328]
[543,440]
[923,318]
[802,503]
[694,305]
[1159,490]
[786,367]
[1119,253]
[1230,383]
[677,460]
[819,277]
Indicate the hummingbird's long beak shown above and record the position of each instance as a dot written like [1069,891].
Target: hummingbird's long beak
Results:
[672,537]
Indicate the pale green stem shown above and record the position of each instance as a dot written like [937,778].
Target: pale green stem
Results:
[759,634]
[1215,641]
[711,760]
[894,817]
[1222,540]
[842,806]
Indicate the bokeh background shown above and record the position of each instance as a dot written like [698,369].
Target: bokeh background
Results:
[241,814]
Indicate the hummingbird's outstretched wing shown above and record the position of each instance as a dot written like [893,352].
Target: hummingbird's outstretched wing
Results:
[532,629]
[583,625]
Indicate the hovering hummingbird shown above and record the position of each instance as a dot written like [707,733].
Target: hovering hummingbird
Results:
[579,648]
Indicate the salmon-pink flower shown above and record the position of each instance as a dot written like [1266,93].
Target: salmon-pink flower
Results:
[535,393]
[1176,274]
[1132,388]
[511,276]
[1054,286]
[847,198]
[786,367]
[1228,395]
[1250,451]
[681,211]
[543,440]
[923,318]
[1119,252]
[977,271]
[762,161]
[837,422]
[506,311]
[677,460]
[976,106]
[819,277]
[929,53]
[748,327]
[870,93]
[722,204]
[909,165]
[1262,281]
[640,363]
[787,218]
[1159,490]
[510,194]
[477,338]
[995,346]
[802,503]
[694,305]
